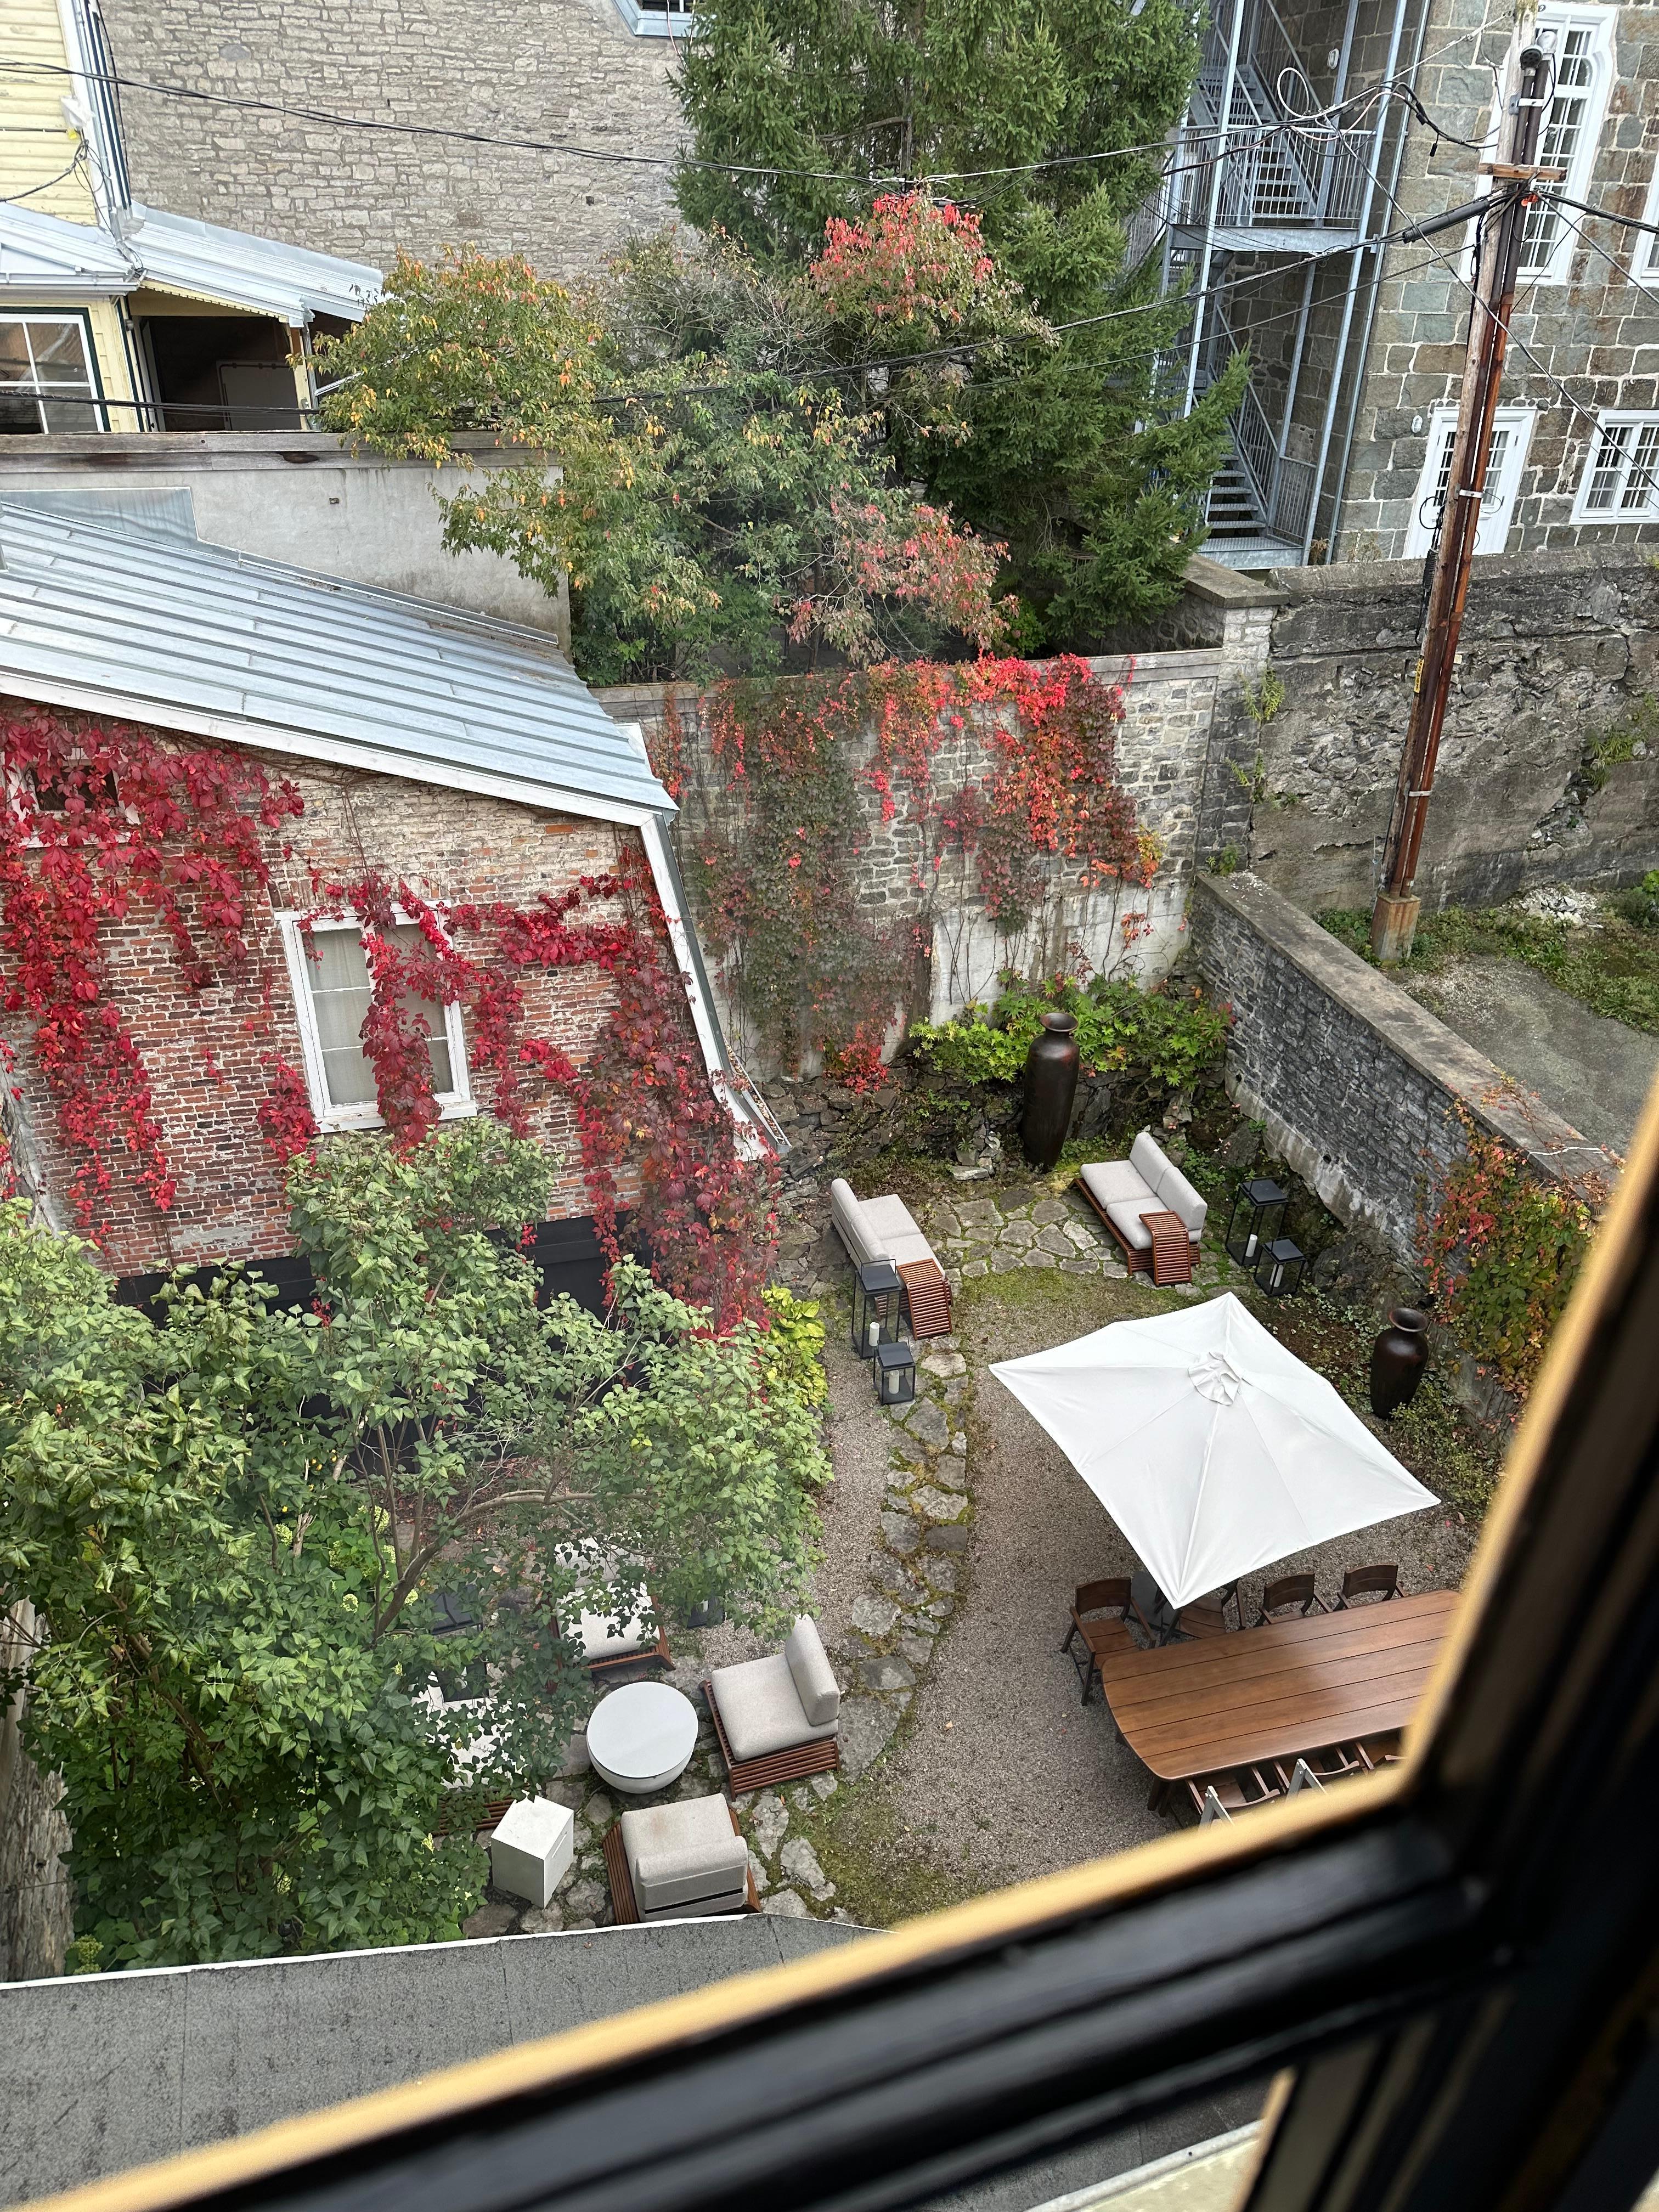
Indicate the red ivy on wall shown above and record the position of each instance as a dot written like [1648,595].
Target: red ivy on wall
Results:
[101,821]
[98,819]
[774,869]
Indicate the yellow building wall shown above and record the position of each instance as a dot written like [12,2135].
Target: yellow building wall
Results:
[36,144]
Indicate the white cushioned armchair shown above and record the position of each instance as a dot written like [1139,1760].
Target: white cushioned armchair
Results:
[677,1862]
[777,1718]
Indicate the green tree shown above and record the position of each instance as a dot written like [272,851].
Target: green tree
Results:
[235,1521]
[713,495]
[1073,459]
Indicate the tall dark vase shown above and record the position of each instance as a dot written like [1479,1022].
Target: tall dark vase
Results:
[1051,1068]
[1399,1358]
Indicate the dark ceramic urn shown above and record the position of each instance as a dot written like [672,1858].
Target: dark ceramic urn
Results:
[1051,1068]
[1398,1360]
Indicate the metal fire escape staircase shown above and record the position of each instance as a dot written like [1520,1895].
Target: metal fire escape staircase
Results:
[1261,185]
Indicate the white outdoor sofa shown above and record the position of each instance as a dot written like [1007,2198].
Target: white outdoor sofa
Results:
[678,1861]
[873,1229]
[778,1718]
[1123,1192]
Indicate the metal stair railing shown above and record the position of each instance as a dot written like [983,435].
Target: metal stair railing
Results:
[1283,485]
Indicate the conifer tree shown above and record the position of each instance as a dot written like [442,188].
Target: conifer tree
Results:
[1077,456]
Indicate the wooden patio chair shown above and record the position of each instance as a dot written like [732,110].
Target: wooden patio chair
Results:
[1334,1764]
[1288,1590]
[1218,1796]
[624,1905]
[1367,1582]
[1383,1750]
[1208,1616]
[1107,1635]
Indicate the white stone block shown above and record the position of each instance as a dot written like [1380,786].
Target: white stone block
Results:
[531,1852]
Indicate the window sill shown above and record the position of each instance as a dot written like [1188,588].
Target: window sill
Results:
[340,1122]
[650,23]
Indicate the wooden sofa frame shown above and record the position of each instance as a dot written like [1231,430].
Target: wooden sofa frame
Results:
[819,1755]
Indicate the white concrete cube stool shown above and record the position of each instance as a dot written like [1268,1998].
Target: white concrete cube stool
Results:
[529,1853]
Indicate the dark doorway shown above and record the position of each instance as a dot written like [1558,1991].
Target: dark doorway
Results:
[221,373]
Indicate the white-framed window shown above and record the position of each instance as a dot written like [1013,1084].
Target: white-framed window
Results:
[48,376]
[656,19]
[1506,457]
[1580,43]
[332,995]
[1620,483]
[1644,262]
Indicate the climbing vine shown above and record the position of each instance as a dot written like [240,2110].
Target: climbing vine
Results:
[1501,1248]
[103,821]
[101,818]
[803,764]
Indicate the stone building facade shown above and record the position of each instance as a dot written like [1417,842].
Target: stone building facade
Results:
[576,75]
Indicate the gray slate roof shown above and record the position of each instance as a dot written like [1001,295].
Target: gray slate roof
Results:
[156,626]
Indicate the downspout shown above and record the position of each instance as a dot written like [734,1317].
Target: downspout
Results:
[1363,227]
[1374,302]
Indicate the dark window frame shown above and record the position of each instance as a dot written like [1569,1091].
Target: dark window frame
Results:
[1459,1958]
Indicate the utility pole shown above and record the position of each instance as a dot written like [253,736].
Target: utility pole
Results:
[1514,173]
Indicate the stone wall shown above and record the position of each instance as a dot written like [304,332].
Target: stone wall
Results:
[1554,654]
[568,74]
[1164,747]
[1359,1087]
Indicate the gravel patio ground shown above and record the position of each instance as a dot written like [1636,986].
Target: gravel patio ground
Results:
[953,1538]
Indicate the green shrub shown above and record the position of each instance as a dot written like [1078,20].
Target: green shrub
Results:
[1640,904]
[1171,1036]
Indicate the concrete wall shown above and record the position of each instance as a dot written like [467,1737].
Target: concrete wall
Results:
[566,73]
[1553,655]
[108,2071]
[1358,1085]
[302,497]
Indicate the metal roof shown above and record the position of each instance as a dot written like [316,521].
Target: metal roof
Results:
[159,627]
[200,259]
[46,253]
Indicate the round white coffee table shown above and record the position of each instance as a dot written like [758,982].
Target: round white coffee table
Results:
[641,1737]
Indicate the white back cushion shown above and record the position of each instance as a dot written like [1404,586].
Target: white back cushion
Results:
[813,1676]
[1146,1158]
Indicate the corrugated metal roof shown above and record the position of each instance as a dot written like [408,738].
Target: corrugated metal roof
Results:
[47,253]
[261,273]
[162,629]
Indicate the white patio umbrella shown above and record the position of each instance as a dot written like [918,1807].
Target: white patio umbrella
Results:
[1215,1449]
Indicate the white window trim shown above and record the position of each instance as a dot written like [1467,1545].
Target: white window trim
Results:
[452,1105]
[91,402]
[1645,260]
[1520,422]
[654,23]
[1613,518]
[1603,24]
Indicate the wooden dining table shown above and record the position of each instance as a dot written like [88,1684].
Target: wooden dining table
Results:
[1276,1691]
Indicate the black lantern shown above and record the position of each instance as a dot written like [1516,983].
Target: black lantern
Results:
[896,1374]
[1278,1270]
[877,1306]
[1258,1217]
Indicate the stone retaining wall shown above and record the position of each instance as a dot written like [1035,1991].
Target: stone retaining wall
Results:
[1359,1087]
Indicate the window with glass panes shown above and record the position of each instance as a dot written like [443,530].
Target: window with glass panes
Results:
[1621,477]
[336,993]
[46,380]
[1571,129]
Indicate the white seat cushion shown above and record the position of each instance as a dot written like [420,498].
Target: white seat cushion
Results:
[599,1640]
[1125,1218]
[1112,1183]
[761,1709]
[890,1217]
[683,1854]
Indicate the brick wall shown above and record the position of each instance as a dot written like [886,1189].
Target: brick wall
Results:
[1358,1085]
[565,70]
[449,846]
